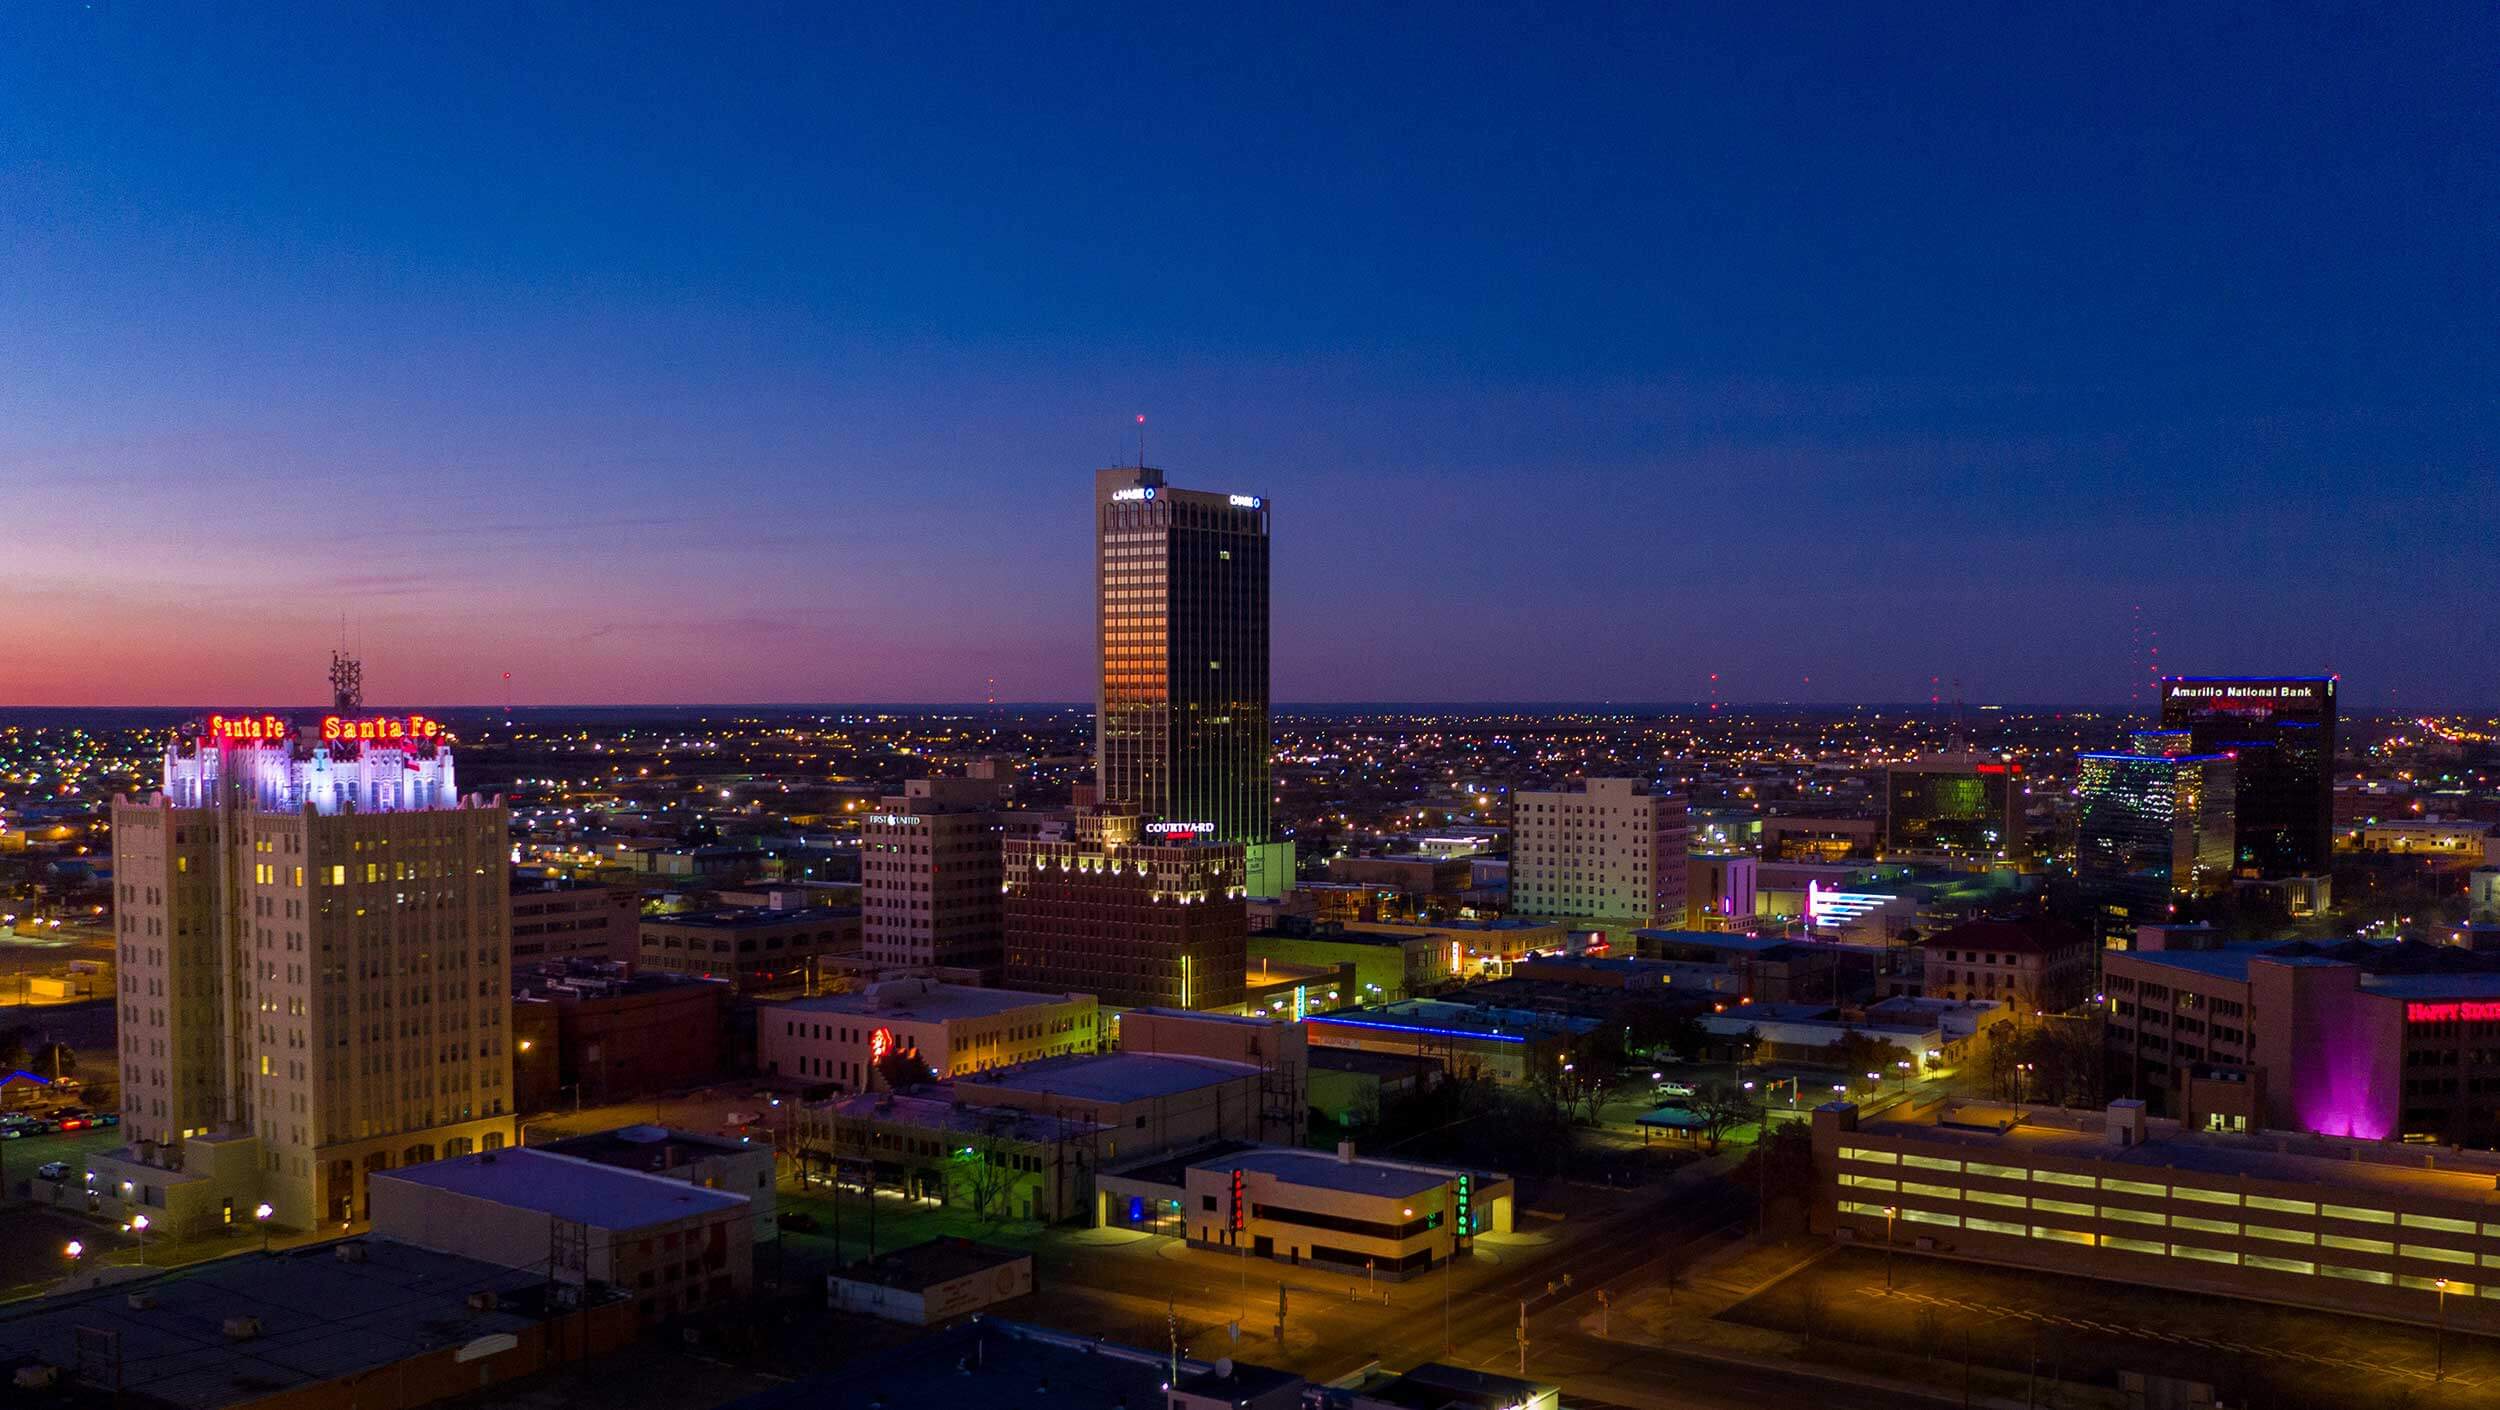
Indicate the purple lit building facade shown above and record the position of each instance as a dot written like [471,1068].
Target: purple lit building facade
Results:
[2378,1041]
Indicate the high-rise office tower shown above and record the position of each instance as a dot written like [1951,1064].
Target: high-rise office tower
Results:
[1968,810]
[1608,850]
[2154,826]
[1136,913]
[2281,731]
[928,870]
[1181,703]
[314,968]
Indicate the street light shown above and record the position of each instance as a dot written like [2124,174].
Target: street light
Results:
[260,1216]
[73,1251]
[139,1232]
[1889,1212]
[2439,1353]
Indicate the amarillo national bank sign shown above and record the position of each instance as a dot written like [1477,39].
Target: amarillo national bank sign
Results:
[2230,691]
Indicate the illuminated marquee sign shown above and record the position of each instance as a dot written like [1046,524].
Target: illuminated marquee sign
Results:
[1245,501]
[2243,692]
[2468,1012]
[1180,829]
[1137,494]
[379,729]
[894,819]
[251,729]
[880,1043]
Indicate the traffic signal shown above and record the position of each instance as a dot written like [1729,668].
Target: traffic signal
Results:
[1466,1204]
[1236,1199]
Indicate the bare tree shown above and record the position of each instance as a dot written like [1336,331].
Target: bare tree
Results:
[986,1168]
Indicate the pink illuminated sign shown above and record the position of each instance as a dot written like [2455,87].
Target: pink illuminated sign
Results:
[2453,1013]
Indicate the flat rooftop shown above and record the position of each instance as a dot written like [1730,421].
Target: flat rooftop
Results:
[920,1265]
[1323,1170]
[1363,1060]
[938,1114]
[938,1003]
[1109,1077]
[996,1365]
[1436,1017]
[320,1320]
[2325,1163]
[581,1191]
[752,917]
[638,1147]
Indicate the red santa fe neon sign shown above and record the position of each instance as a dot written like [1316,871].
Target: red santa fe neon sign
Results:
[2453,1013]
[380,728]
[250,729]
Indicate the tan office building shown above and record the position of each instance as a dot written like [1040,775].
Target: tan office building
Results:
[929,873]
[314,969]
[1609,850]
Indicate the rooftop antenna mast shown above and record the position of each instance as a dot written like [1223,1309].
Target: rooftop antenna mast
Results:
[1141,440]
[347,675]
[1959,744]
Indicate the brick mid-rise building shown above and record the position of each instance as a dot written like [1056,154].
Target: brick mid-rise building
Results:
[1140,920]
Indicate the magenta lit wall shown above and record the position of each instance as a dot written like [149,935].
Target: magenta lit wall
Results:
[2333,1052]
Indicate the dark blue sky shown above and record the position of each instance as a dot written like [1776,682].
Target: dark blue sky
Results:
[653,353]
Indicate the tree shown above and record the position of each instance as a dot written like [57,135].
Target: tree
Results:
[984,1168]
[1721,1105]
[1857,1054]
[903,1070]
[54,1060]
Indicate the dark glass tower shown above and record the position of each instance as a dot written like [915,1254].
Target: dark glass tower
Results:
[2152,827]
[2281,731]
[1181,708]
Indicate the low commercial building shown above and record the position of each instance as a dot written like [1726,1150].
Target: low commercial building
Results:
[1436,1386]
[677,1248]
[1392,1218]
[2377,1040]
[838,1039]
[996,1161]
[1157,1101]
[558,919]
[985,1361]
[713,1162]
[1388,964]
[1422,877]
[2348,1226]
[1468,1040]
[2031,964]
[1768,969]
[1351,1087]
[1291,991]
[365,1324]
[755,948]
[925,1284]
[588,1032]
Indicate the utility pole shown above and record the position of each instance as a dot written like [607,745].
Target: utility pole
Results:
[1523,1337]
[1280,1312]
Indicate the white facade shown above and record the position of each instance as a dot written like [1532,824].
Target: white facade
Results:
[929,875]
[314,956]
[1608,850]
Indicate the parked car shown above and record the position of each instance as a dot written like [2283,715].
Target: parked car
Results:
[108,1118]
[52,1170]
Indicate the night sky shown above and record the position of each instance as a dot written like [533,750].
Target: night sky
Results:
[732,352]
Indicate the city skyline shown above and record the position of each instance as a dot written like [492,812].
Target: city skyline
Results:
[769,359]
